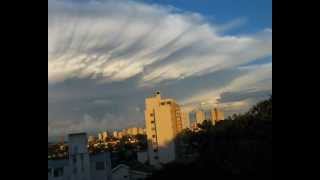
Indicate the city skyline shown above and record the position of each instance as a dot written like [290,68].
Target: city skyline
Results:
[105,57]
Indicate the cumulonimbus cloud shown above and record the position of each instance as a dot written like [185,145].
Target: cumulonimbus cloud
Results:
[116,40]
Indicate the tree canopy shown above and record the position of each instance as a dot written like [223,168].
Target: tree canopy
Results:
[239,146]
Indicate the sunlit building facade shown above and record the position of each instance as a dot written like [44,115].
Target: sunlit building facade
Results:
[163,122]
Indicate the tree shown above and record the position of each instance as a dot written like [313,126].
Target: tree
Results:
[240,146]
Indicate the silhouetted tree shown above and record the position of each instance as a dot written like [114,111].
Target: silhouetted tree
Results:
[240,146]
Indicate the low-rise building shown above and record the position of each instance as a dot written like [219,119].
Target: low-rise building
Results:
[80,165]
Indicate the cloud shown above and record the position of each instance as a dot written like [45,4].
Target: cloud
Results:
[117,40]
[254,80]
[105,57]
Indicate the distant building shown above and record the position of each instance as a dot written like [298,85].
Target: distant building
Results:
[92,139]
[100,137]
[185,120]
[119,134]
[163,123]
[193,120]
[141,131]
[216,115]
[200,117]
[115,134]
[133,131]
[80,165]
[104,135]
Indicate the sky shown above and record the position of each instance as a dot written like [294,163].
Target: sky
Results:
[105,57]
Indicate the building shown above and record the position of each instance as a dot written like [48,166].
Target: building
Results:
[193,120]
[100,136]
[119,134]
[200,116]
[142,131]
[115,134]
[104,135]
[185,120]
[133,131]
[163,123]
[216,115]
[92,139]
[80,165]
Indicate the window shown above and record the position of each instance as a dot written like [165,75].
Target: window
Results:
[151,114]
[57,172]
[155,150]
[168,102]
[100,165]
[162,103]
[152,122]
[154,136]
[153,129]
[75,149]
[74,159]
[49,172]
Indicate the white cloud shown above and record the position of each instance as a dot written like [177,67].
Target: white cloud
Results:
[255,78]
[116,40]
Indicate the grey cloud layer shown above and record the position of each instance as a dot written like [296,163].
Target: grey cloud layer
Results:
[105,57]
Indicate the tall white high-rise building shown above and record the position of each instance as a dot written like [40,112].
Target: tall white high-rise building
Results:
[163,123]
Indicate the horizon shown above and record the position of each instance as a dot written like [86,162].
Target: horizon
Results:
[105,57]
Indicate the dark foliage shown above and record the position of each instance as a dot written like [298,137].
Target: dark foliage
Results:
[238,147]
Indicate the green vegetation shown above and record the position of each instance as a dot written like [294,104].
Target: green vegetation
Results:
[240,146]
